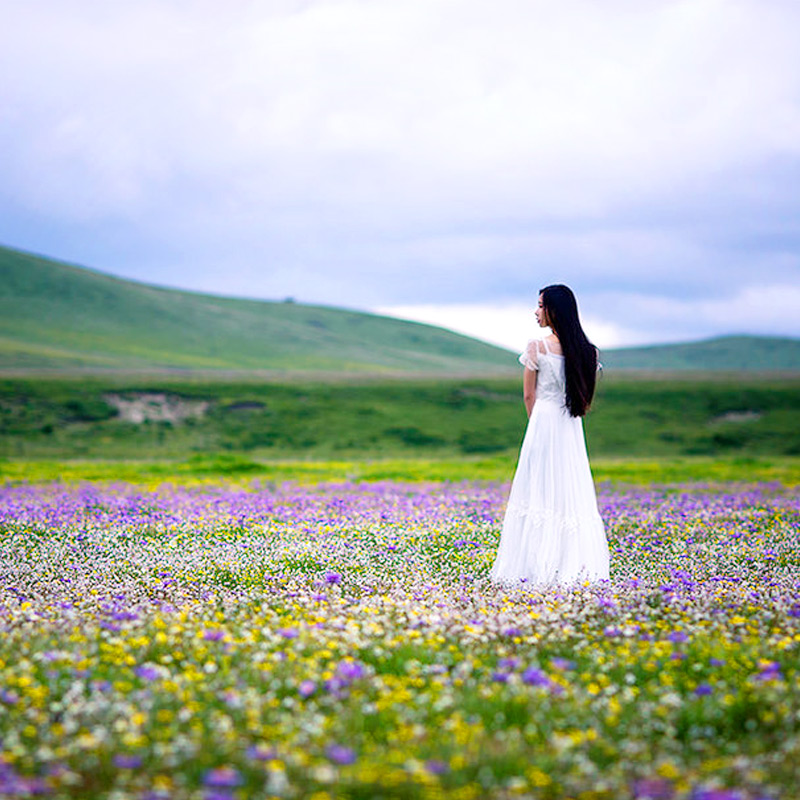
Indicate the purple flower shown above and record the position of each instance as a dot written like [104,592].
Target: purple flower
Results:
[535,677]
[677,657]
[125,761]
[213,634]
[218,794]
[306,688]
[288,633]
[222,778]
[350,670]
[677,636]
[9,698]
[334,685]
[436,767]
[512,632]
[769,672]
[716,794]
[500,677]
[333,578]
[340,754]
[147,673]
[260,752]
[562,663]
[703,689]
[124,616]
[653,789]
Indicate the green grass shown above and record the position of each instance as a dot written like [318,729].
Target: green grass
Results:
[379,420]
[692,469]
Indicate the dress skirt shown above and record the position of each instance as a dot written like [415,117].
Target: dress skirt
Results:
[552,531]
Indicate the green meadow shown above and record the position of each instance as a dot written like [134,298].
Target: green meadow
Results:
[104,376]
[672,427]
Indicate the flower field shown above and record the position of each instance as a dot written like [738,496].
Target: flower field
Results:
[224,641]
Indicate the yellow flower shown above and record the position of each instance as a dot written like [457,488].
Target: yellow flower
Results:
[162,783]
[537,778]
[668,770]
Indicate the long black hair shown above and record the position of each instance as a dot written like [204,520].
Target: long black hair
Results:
[580,355]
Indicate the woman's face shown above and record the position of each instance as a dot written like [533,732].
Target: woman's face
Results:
[541,314]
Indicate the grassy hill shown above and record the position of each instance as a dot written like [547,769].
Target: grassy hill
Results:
[729,353]
[57,316]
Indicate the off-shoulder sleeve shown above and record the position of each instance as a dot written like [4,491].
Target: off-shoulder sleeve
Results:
[529,357]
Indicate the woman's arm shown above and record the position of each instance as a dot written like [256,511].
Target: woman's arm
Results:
[529,389]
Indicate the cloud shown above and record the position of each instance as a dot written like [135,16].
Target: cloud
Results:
[646,319]
[761,309]
[383,154]
[508,326]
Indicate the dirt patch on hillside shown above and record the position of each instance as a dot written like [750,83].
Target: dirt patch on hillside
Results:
[739,416]
[139,407]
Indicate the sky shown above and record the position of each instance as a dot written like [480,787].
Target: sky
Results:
[439,160]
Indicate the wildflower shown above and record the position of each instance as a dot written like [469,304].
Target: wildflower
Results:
[535,677]
[147,672]
[125,761]
[260,752]
[306,688]
[653,789]
[222,777]
[349,670]
[340,754]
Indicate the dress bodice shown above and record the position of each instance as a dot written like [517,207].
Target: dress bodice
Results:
[550,382]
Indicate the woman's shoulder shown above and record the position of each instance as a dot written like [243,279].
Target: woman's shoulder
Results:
[529,357]
[552,345]
[544,345]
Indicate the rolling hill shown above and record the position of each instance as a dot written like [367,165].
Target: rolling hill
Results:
[724,353]
[59,317]
[55,316]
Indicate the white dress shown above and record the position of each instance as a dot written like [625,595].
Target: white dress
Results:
[552,531]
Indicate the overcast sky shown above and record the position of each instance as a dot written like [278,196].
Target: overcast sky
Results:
[437,159]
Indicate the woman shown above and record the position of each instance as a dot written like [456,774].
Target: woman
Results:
[552,531]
